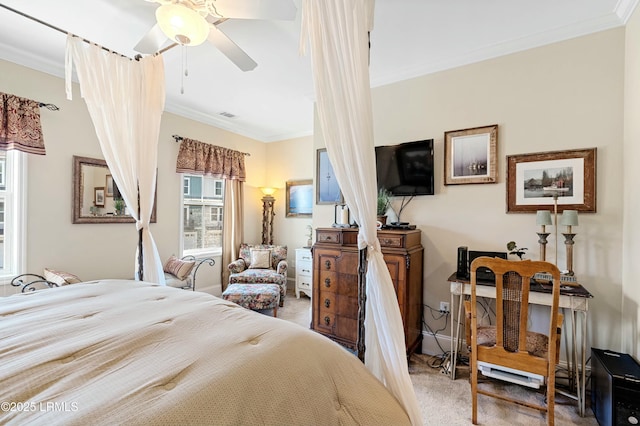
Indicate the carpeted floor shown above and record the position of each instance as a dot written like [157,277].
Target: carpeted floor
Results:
[448,402]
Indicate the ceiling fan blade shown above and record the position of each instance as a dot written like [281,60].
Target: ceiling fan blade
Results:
[257,9]
[230,49]
[151,41]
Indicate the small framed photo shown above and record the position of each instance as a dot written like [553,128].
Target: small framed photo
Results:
[299,198]
[98,196]
[470,155]
[535,180]
[109,186]
[327,188]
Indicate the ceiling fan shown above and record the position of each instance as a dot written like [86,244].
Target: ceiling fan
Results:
[191,22]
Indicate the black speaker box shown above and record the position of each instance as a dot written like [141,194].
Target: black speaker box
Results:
[463,263]
[615,388]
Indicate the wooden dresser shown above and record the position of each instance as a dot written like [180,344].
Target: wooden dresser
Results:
[335,282]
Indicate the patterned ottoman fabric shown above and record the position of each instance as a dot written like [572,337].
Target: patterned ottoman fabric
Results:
[261,277]
[254,296]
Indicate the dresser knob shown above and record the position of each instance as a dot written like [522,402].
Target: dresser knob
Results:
[327,303]
[327,320]
[327,282]
[327,264]
[386,241]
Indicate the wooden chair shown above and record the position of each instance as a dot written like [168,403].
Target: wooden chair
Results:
[509,343]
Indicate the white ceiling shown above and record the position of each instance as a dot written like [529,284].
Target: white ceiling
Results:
[275,101]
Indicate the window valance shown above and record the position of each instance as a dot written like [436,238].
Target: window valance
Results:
[20,127]
[206,159]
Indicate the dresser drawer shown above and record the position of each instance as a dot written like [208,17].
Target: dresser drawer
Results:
[303,268]
[303,255]
[328,236]
[328,282]
[304,283]
[326,321]
[394,241]
[327,302]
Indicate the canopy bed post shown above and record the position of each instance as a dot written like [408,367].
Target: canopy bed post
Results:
[362,300]
[140,246]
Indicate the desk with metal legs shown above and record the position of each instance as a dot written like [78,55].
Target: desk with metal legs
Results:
[573,300]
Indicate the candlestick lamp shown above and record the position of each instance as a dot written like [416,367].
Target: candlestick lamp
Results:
[543,218]
[569,219]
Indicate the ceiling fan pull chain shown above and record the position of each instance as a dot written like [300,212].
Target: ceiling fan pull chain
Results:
[185,71]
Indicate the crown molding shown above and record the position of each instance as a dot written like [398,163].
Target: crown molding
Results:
[625,8]
[225,124]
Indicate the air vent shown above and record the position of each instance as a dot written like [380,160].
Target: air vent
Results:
[227,114]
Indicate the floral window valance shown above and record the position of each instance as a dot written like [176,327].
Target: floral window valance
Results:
[205,159]
[20,127]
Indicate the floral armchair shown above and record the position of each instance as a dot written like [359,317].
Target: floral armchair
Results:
[261,264]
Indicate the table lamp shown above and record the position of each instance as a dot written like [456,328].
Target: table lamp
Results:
[569,218]
[543,218]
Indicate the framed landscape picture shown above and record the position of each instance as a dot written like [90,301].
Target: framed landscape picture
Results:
[535,180]
[470,155]
[98,196]
[299,198]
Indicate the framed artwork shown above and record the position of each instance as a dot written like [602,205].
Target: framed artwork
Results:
[534,179]
[470,155]
[327,188]
[299,198]
[98,196]
[108,187]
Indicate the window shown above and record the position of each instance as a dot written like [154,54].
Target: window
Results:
[202,206]
[12,184]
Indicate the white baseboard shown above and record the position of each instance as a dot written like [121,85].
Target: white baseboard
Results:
[430,343]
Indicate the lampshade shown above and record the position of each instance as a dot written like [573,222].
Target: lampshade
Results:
[181,24]
[266,190]
[543,217]
[569,218]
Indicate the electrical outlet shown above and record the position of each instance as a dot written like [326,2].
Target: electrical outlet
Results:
[444,306]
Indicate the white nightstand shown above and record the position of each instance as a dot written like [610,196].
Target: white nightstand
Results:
[303,271]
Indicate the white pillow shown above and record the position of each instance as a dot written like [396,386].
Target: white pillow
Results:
[260,259]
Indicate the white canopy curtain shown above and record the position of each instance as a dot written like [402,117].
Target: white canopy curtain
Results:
[125,99]
[338,34]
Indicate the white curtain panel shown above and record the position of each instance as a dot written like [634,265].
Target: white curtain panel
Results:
[337,31]
[125,99]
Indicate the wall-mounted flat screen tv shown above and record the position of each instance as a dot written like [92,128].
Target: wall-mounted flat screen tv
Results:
[406,168]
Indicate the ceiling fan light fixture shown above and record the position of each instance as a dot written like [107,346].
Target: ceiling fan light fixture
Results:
[182,25]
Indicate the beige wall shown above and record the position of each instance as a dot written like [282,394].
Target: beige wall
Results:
[94,251]
[286,161]
[567,95]
[563,96]
[631,228]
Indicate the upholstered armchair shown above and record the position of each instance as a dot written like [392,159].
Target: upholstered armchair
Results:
[261,264]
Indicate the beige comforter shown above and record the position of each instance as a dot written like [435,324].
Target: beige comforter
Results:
[121,352]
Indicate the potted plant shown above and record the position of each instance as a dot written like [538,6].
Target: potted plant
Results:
[383,205]
[514,249]
[118,204]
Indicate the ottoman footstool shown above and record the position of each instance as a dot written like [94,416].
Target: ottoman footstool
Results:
[254,296]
